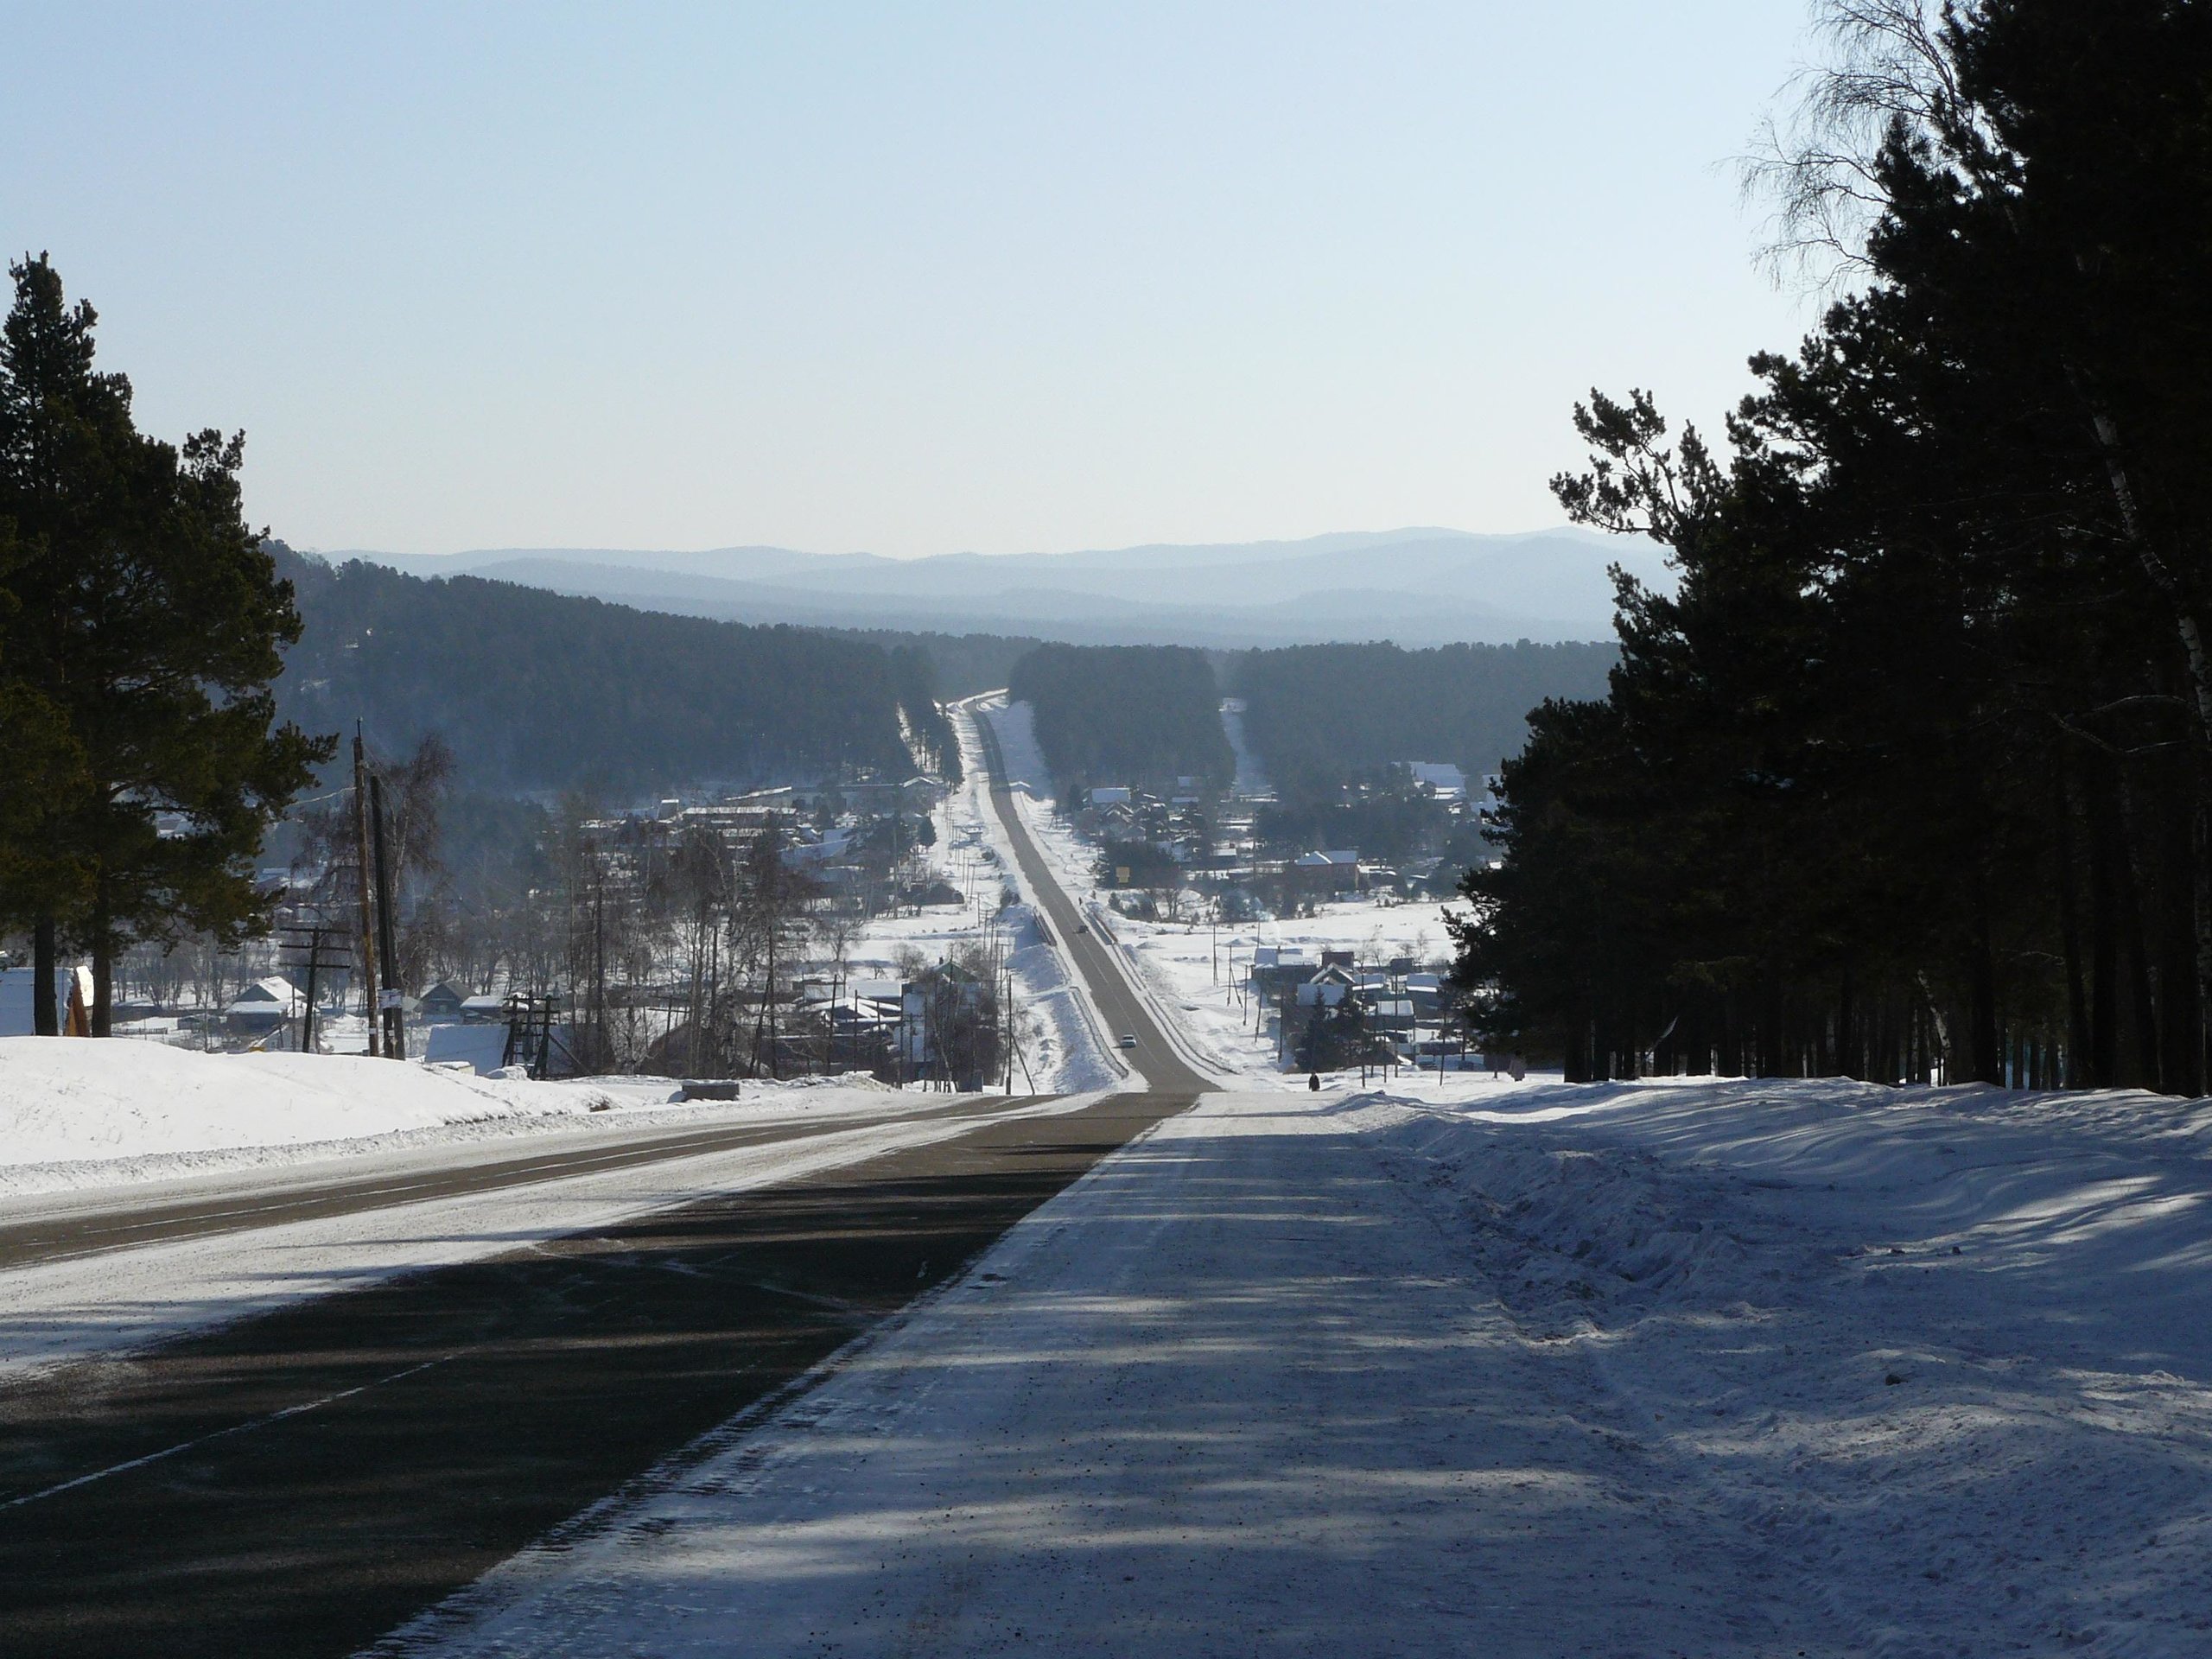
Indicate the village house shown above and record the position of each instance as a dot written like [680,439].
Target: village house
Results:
[442,1003]
[264,1007]
[1327,870]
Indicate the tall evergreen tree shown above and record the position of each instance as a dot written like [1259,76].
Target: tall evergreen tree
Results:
[1913,767]
[150,618]
[44,773]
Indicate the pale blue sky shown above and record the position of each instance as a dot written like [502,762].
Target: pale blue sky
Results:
[901,278]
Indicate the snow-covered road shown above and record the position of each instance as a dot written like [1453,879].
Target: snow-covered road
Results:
[1559,1371]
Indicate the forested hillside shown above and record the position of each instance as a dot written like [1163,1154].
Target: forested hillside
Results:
[1911,775]
[1125,714]
[1318,714]
[965,662]
[535,690]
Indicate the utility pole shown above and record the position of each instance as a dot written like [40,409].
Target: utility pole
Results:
[307,1017]
[775,926]
[395,1015]
[369,1007]
[599,1047]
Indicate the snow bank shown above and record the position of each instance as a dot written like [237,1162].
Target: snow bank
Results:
[76,1114]
[63,1100]
[1946,1354]
[1059,1038]
[1055,1007]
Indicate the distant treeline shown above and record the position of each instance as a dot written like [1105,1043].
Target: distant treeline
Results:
[1318,714]
[534,690]
[965,662]
[1125,714]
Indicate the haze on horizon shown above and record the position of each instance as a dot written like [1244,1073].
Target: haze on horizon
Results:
[909,280]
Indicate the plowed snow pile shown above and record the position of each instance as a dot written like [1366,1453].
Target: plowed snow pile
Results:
[75,1113]
[1943,1357]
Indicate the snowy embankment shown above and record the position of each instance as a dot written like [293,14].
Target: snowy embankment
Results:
[1059,1021]
[76,1114]
[1634,1370]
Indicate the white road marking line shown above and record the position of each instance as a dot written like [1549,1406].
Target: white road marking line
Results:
[235,1428]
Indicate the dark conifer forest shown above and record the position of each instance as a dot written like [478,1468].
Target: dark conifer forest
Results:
[965,663]
[1125,714]
[1318,715]
[1913,770]
[536,691]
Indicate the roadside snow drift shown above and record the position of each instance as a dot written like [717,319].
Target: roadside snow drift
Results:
[77,1114]
[63,1100]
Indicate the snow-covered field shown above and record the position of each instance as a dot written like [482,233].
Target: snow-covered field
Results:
[1625,1369]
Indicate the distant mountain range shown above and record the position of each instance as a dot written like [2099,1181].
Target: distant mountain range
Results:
[1415,587]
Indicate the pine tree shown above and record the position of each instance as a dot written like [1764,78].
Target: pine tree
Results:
[150,618]
[45,773]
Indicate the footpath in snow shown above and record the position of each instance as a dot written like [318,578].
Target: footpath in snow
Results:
[1629,1369]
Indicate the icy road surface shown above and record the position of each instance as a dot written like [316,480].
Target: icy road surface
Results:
[1648,1370]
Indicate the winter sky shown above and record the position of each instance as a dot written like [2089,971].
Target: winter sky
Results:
[904,278]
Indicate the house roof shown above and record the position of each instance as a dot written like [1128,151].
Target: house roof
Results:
[274,996]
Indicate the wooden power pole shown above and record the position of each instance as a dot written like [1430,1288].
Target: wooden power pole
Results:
[361,870]
[395,1016]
